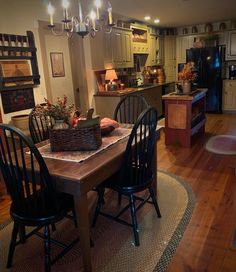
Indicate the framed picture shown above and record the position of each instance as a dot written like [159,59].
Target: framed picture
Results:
[57,63]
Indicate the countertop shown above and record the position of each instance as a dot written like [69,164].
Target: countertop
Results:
[194,96]
[132,90]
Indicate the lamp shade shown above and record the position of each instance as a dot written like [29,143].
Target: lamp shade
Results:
[111,75]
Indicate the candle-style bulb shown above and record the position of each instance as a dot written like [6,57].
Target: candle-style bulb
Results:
[65,4]
[80,13]
[109,10]
[98,5]
[92,16]
[51,12]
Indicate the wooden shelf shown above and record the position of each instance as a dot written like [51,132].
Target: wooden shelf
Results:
[18,48]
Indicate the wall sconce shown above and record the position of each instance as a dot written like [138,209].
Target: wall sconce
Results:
[110,76]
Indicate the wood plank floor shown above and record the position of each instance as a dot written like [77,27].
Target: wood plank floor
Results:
[207,244]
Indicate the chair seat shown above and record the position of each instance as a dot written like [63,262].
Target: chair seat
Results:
[53,207]
[122,186]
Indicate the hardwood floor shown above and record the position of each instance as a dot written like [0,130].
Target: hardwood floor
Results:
[207,244]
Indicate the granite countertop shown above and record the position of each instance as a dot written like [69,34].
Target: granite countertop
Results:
[132,90]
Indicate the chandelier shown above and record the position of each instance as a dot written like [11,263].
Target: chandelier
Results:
[95,21]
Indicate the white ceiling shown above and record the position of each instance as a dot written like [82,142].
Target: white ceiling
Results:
[174,13]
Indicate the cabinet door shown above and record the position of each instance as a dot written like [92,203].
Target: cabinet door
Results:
[108,57]
[160,50]
[170,58]
[170,48]
[229,95]
[117,48]
[182,43]
[127,50]
[152,56]
[231,46]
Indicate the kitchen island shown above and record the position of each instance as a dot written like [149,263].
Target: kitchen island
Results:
[184,117]
[106,102]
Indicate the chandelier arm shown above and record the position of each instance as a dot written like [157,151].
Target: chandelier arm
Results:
[108,29]
[54,32]
[83,25]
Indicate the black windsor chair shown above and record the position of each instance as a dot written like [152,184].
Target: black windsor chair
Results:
[136,173]
[39,126]
[129,108]
[35,201]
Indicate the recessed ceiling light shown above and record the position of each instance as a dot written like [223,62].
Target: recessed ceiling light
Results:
[156,21]
[147,18]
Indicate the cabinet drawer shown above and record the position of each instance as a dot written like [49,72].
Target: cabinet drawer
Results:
[230,84]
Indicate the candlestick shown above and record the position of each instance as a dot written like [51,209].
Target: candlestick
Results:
[50,11]
[98,5]
[80,13]
[93,17]
[109,10]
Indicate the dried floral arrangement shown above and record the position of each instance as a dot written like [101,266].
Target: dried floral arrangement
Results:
[188,72]
[58,111]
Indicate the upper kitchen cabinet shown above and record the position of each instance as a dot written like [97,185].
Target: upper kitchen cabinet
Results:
[170,57]
[152,56]
[121,44]
[140,39]
[231,46]
[156,48]
[160,50]
[112,50]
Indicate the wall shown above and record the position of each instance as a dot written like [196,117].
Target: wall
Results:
[56,86]
[17,17]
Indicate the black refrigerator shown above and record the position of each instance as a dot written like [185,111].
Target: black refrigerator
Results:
[208,68]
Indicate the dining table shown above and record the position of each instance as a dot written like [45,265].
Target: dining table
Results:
[79,178]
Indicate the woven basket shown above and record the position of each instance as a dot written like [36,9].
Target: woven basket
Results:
[75,139]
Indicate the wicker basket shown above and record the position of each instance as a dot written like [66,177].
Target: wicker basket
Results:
[75,139]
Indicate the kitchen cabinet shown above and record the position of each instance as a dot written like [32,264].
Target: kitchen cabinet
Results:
[231,46]
[152,56]
[170,57]
[229,95]
[122,48]
[160,50]
[112,50]
[184,118]
[106,102]
[140,39]
[182,44]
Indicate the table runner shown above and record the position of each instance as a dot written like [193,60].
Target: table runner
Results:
[79,156]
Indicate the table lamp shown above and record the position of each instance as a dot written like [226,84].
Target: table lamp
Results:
[111,75]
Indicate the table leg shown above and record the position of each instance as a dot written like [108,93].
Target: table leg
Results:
[155,164]
[82,214]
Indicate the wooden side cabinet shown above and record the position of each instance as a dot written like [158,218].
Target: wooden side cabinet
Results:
[229,95]
[184,118]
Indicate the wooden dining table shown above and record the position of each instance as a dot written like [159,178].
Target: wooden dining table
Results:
[78,179]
